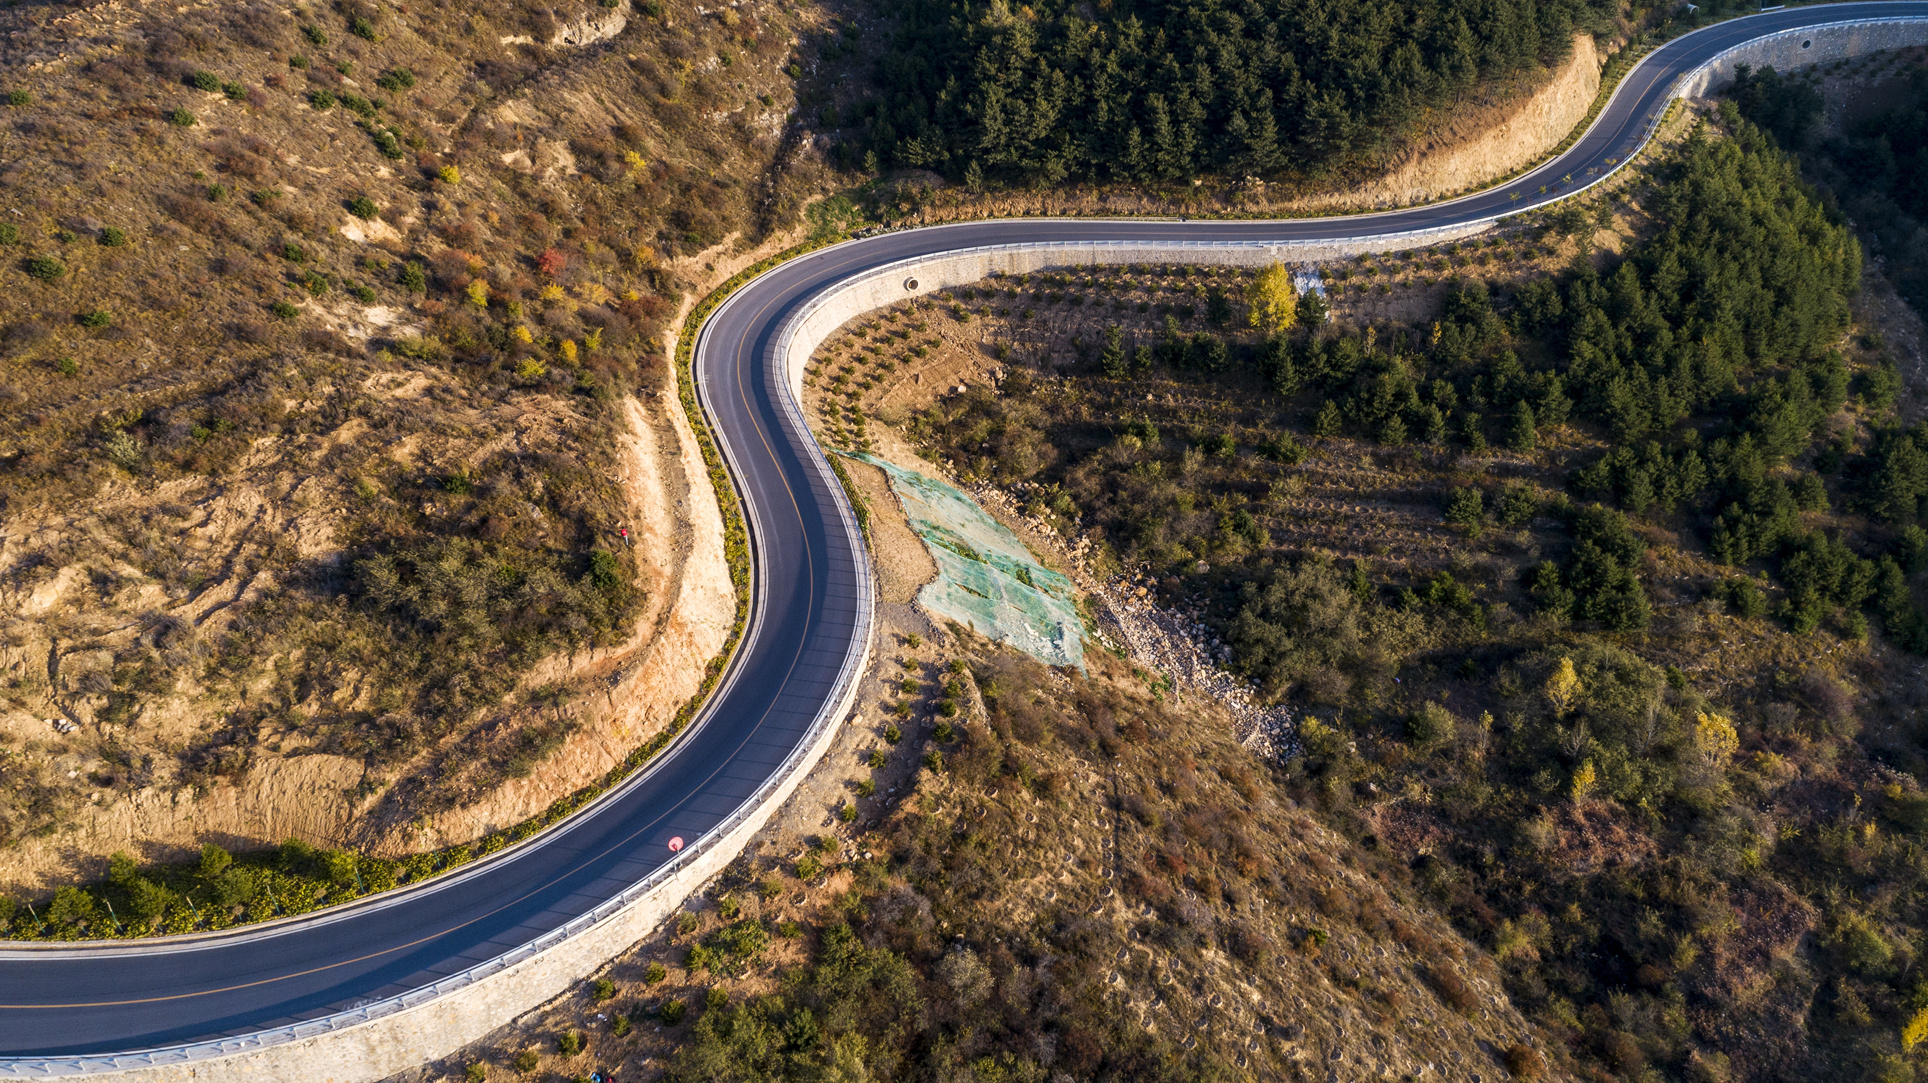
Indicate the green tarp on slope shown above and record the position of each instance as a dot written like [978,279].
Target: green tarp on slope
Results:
[986,578]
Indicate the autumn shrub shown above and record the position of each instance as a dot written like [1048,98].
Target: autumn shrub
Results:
[1525,1062]
[1453,989]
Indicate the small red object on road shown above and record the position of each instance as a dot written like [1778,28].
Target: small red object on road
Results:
[676,844]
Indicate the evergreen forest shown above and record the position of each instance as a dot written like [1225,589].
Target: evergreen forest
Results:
[1166,90]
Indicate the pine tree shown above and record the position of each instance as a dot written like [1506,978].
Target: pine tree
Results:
[1262,155]
[1175,350]
[1311,309]
[1116,363]
[1360,582]
[1520,432]
[1472,428]
[1327,423]
[1435,425]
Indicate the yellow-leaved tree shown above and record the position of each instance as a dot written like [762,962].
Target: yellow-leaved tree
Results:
[1563,688]
[1915,1031]
[1584,781]
[1716,738]
[1272,302]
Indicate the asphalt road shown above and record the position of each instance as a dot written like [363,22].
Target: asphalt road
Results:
[63,1001]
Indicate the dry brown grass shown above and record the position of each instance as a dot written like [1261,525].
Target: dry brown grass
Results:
[200,451]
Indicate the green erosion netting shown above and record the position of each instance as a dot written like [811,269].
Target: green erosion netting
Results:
[986,578]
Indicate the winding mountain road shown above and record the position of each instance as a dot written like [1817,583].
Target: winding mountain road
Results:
[72,1009]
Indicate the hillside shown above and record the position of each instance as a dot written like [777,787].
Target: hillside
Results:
[1622,683]
[1076,876]
[322,328]
[322,333]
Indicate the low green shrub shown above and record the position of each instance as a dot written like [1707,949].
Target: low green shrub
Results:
[204,80]
[284,310]
[46,268]
[95,317]
[113,237]
[19,98]
[181,118]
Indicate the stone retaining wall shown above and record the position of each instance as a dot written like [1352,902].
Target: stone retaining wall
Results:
[1793,49]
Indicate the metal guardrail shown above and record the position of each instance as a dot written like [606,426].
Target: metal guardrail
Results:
[1728,53]
[849,673]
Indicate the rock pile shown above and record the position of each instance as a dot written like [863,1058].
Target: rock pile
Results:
[1174,642]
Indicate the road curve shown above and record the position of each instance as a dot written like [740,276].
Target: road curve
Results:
[61,1004]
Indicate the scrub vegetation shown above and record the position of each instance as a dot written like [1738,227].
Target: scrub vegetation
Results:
[1083,879]
[313,359]
[1598,590]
